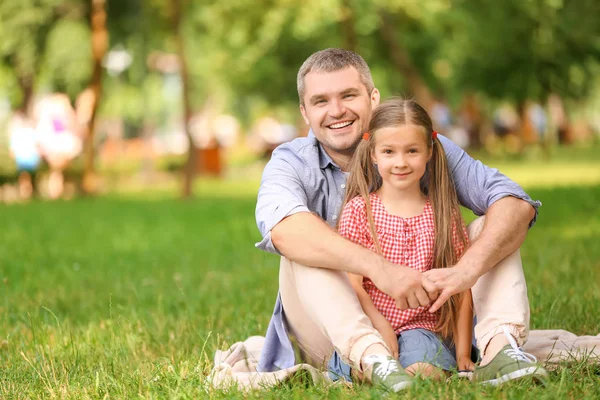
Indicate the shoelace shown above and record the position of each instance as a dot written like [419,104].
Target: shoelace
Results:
[385,368]
[516,353]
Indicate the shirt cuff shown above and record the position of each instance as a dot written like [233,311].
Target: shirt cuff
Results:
[534,203]
[266,243]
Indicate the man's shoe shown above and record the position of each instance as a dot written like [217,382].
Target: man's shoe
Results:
[509,364]
[387,373]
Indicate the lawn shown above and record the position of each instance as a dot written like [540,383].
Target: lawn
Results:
[129,296]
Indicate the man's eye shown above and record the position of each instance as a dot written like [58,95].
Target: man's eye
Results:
[349,96]
[319,102]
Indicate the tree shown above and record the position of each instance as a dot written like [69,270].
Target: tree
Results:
[94,92]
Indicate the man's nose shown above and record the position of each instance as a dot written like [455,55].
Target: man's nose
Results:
[336,109]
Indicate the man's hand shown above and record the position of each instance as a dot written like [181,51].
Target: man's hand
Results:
[449,281]
[403,284]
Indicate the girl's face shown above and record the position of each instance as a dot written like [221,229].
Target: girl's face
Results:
[401,154]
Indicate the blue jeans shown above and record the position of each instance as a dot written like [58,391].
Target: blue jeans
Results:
[414,346]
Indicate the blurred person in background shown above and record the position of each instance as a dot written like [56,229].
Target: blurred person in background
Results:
[471,120]
[558,119]
[268,133]
[58,138]
[441,114]
[506,123]
[24,150]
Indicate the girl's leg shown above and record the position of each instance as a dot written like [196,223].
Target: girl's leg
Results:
[425,370]
[423,353]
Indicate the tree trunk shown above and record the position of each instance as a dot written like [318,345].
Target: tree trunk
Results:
[26,84]
[403,63]
[99,47]
[190,167]
[348,31]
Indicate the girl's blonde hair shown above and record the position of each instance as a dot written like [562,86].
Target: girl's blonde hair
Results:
[437,184]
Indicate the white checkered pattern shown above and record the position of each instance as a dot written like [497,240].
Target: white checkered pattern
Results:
[405,241]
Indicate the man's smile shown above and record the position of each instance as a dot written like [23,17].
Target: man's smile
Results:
[340,125]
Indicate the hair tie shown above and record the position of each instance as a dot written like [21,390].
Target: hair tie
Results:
[434,135]
[366,136]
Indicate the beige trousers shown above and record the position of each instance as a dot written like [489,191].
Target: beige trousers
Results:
[323,311]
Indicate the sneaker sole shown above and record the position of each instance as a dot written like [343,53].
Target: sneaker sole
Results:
[533,372]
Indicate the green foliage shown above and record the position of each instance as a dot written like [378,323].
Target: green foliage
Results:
[244,56]
[68,56]
[525,49]
[44,37]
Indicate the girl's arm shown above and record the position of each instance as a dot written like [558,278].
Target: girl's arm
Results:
[377,319]
[464,332]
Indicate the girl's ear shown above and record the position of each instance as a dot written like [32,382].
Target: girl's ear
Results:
[430,153]
[373,159]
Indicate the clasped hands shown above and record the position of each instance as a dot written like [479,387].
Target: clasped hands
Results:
[412,289]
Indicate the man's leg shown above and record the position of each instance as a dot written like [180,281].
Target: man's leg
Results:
[500,300]
[323,312]
[502,309]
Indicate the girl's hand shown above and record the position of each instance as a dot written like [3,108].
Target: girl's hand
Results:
[464,363]
[388,334]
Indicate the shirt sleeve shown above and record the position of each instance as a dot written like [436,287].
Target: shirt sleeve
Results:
[479,186]
[353,223]
[280,195]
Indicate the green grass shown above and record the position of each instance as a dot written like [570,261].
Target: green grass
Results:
[129,296]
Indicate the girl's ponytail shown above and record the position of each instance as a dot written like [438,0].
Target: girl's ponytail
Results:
[448,224]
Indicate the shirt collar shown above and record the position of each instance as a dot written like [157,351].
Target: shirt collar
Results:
[324,158]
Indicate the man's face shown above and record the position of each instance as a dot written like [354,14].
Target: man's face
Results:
[338,109]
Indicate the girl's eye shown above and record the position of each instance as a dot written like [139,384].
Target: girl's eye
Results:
[413,151]
[387,151]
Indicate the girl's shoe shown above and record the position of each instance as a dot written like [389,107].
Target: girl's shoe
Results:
[387,373]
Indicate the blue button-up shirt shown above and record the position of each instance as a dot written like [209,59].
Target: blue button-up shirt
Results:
[301,177]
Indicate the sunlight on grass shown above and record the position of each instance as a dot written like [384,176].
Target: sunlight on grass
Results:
[555,174]
[130,295]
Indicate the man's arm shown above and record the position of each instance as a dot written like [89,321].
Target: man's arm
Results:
[504,230]
[509,212]
[306,239]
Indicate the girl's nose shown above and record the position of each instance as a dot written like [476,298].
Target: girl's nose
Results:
[399,161]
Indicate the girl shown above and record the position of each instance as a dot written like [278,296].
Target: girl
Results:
[401,202]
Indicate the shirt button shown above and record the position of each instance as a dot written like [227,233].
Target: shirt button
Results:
[334,217]
[343,186]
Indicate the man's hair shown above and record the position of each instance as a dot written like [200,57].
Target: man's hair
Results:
[331,60]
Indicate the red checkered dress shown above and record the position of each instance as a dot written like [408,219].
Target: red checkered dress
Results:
[406,241]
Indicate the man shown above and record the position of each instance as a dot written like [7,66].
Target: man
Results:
[298,203]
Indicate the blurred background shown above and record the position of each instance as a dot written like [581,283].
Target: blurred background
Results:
[99,96]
